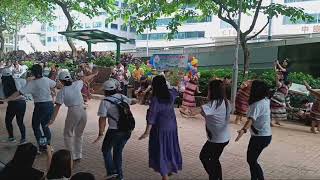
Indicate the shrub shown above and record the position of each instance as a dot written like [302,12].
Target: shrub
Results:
[106,61]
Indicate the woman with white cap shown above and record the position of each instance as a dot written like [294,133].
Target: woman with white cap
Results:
[15,108]
[76,119]
[40,88]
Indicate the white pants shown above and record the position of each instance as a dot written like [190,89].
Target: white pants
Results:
[74,126]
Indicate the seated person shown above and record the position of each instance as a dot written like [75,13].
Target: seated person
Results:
[305,109]
[20,167]
[144,91]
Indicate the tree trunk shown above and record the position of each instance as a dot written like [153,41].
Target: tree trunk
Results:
[1,44]
[246,58]
[69,28]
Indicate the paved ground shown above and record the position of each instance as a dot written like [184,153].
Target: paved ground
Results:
[293,154]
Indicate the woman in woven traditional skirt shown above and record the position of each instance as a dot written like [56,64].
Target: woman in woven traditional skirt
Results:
[242,101]
[189,104]
[315,110]
[278,102]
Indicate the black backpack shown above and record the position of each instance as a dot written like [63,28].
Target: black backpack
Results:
[126,121]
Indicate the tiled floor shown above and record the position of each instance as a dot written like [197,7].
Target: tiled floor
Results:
[293,154]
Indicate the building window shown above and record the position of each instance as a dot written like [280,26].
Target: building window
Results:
[97,24]
[54,39]
[124,5]
[43,27]
[114,26]
[49,39]
[87,25]
[61,38]
[102,13]
[124,27]
[132,41]
[315,20]
[293,1]
[179,35]
[133,29]
[190,20]
[52,28]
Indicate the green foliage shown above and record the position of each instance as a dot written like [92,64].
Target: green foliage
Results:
[106,61]
[68,64]
[299,78]
[29,63]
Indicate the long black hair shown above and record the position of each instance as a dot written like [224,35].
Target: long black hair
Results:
[259,90]
[83,176]
[9,85]
[23,157]
[216,92]
[160,89]
[36,70]
[60,165]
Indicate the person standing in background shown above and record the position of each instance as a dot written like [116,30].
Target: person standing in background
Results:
[315,110]
[137,74]
[126,80]
[242,101]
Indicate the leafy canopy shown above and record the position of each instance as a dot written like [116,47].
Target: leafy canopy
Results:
[148,11]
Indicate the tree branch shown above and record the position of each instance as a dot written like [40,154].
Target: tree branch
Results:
[255,18]
[252,37]
[228,20]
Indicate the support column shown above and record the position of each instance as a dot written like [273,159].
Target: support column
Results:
[118,52]
[89,50]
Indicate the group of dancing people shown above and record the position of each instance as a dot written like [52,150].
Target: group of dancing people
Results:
[161,127]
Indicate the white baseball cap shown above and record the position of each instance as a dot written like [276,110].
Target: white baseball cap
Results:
[64,76]
[109,85]
[6,72]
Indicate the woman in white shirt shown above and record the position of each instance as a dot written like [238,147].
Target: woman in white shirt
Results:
[76,119]
[41,89]
[217,114]
[16,108]
[259,119]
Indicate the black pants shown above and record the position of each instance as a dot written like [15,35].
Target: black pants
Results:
[41,116]
[209,157]
[16,109]
[256,146]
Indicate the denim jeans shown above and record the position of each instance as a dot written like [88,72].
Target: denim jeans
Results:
[209,157]
[255,147]
[41,116]
[16,109]
[114,141]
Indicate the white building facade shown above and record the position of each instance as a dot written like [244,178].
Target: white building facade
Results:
[212,29]
[45,37]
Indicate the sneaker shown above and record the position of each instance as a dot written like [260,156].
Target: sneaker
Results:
[23,141]
[9,140]
[112,177]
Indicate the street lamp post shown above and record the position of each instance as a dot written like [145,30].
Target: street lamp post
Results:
[236,61]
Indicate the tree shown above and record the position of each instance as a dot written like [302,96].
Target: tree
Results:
[148,11]
[89,8]
[15,14]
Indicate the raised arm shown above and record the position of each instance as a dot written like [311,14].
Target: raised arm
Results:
[312,91]
[90,77]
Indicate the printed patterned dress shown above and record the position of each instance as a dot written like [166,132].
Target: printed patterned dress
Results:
[189,100]
[242,99]
[278,104]
[315,110]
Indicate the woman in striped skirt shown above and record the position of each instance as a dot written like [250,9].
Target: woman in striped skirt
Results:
[315,110]
[188,107]
[278,102]
[242,101]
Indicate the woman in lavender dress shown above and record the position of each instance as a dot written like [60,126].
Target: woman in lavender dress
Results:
[164,150]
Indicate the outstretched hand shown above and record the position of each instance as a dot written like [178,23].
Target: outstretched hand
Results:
[98,139]
[240,134]
[143,136]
